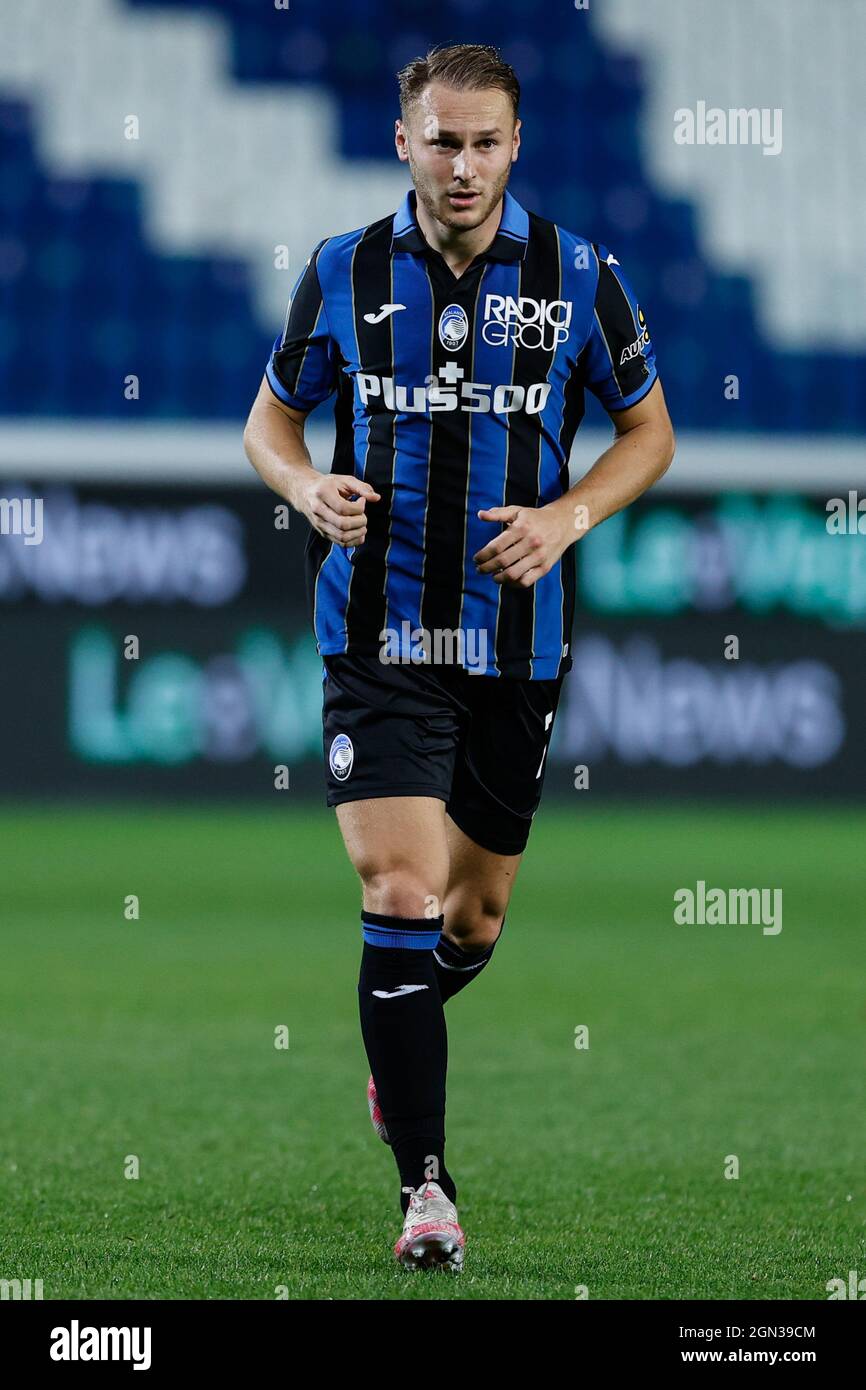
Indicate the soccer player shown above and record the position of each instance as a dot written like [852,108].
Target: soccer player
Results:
[459,335]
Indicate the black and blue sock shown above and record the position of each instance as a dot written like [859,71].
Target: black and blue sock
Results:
[403,1026]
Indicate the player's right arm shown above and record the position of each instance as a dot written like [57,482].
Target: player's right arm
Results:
[301,373]
[275,446]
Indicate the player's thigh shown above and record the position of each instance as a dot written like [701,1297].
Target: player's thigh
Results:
[390,738]
[499,771]
[399,849]
[480,883]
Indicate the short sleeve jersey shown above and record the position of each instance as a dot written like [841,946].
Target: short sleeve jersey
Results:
[454,394]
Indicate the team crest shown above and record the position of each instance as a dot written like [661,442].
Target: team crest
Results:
[341,757]
[453,327]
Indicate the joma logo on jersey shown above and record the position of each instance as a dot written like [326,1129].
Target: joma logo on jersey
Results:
[530,323]
[447,391]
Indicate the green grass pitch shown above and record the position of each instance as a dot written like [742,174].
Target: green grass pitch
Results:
[258,1169]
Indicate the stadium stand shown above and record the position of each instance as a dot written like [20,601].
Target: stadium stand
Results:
[156,256]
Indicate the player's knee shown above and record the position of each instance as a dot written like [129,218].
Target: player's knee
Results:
[398,892]
[474,926]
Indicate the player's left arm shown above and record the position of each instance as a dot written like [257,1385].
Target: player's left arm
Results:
[617,364]
[535,538]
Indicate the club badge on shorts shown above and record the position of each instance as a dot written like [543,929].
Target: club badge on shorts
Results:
[341,757]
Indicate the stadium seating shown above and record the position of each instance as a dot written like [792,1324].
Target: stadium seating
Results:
[168,273]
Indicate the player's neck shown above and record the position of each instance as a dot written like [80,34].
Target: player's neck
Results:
[457,248]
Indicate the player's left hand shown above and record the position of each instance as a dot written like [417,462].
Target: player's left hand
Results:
[533,540]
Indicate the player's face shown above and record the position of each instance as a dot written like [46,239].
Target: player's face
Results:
[460,147]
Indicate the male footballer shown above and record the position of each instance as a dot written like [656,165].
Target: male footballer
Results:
[459,335]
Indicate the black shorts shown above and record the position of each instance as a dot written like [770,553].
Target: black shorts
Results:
[478,743]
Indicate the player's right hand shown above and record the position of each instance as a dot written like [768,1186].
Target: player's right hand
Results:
[334,503]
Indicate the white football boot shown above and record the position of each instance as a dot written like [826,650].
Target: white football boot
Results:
[432,1238]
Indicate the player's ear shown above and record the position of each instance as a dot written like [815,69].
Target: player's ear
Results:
[515,141]
[400,140]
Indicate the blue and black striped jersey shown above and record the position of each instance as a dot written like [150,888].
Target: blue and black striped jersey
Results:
[454,394]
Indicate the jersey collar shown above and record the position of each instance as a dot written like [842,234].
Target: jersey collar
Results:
[509,244]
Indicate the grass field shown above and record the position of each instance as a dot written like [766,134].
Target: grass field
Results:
[602,1167]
